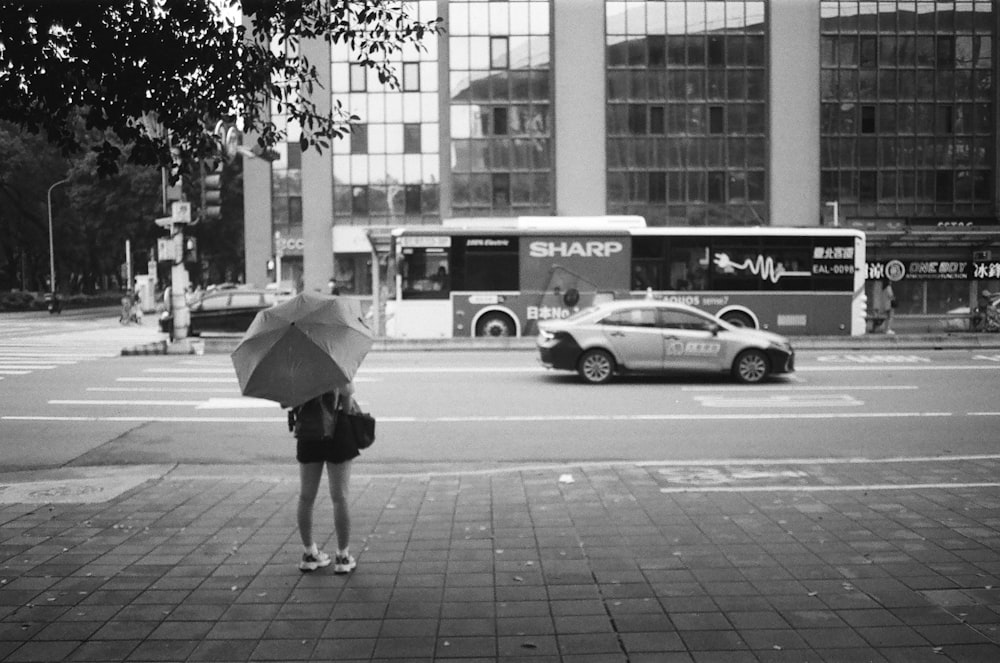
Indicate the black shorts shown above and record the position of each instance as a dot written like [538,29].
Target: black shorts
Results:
[323,451]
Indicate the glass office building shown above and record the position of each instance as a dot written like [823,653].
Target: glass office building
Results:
[687,111]
[879,114]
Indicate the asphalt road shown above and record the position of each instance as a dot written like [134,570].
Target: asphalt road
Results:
[483,408]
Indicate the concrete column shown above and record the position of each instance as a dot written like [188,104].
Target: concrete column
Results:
[257,243]
[317,182]
[794,182]
[580,106]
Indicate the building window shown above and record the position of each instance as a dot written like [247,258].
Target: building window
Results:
[867,119]
[716,120]
[716,51]
[717,187]
[658,187]
[499,56]
[637,119]
[411,138]
[501,189]
[359,139]
[868,52]
[411,76]
[945,52]
[359,78]
[359,201]
[412,193]
[500,126]
[656,120]
[944,186]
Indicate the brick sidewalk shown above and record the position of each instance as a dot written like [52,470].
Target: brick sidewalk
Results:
[595,563]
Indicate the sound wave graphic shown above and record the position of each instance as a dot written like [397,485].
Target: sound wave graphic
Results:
[763,266]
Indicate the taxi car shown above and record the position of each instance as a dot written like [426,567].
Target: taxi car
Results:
[636,336]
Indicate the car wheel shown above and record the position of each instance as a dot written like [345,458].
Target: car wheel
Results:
[596,366]
[495,324]
[751,366]
[738,319]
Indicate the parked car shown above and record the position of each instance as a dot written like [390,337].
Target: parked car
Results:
[636,336]
[226,310]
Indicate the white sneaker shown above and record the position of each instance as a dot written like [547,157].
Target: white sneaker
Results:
[313,562]
[344,564]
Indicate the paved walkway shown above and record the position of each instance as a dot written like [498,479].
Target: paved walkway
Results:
[602,563]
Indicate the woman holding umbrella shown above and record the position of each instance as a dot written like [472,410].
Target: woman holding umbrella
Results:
[304,354]
[314,449]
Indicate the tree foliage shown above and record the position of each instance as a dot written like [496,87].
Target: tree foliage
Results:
[157,74]
[91,216]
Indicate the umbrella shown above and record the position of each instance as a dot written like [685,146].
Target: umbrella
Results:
[302,348]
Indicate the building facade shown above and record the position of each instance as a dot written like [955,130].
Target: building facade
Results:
[880,115]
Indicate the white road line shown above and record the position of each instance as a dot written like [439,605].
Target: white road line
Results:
[10,372]
[230,370]
[183,380]
[787,417]
[747,399]
[168,390]
[28,359]
[204,380]
[829,460]
[797,388]
[124,402]
[33,367]
[827,488]
[896,367]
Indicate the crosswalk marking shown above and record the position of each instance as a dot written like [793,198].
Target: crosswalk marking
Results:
[43,344]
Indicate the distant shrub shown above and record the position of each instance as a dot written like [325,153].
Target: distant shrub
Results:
[20,300]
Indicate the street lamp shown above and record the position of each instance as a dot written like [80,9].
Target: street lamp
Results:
[52,253]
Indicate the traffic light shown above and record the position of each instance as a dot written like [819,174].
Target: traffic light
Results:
[211,191]
[191,249]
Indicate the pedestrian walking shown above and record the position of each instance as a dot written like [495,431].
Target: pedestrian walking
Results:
[884,301]
[313,424]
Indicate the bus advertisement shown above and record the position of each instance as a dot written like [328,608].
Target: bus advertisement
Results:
[489,279]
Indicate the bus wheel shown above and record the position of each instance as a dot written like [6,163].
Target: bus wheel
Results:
[751,366]
[596,366]
[739,319]
[495,324]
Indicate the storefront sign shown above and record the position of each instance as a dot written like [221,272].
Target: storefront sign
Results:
[986,270]
[290,245]
[924,270]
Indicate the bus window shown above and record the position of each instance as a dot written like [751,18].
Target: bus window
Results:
[647,263]
[424,272]
[485,264]
[687,264]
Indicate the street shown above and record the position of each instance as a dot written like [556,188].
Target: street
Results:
[478,408]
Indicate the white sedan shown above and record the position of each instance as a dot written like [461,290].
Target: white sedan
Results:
[646,335]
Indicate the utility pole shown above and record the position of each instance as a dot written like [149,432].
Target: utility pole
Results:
[52,252]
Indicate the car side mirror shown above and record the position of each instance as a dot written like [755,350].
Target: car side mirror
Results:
[714,328]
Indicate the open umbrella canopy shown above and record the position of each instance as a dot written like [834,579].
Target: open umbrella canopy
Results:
[302,348]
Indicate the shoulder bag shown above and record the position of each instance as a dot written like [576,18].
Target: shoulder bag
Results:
[354,428]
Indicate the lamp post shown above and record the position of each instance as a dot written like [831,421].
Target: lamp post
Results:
[52,253]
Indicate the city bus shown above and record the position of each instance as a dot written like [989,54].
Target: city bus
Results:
[501,277]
